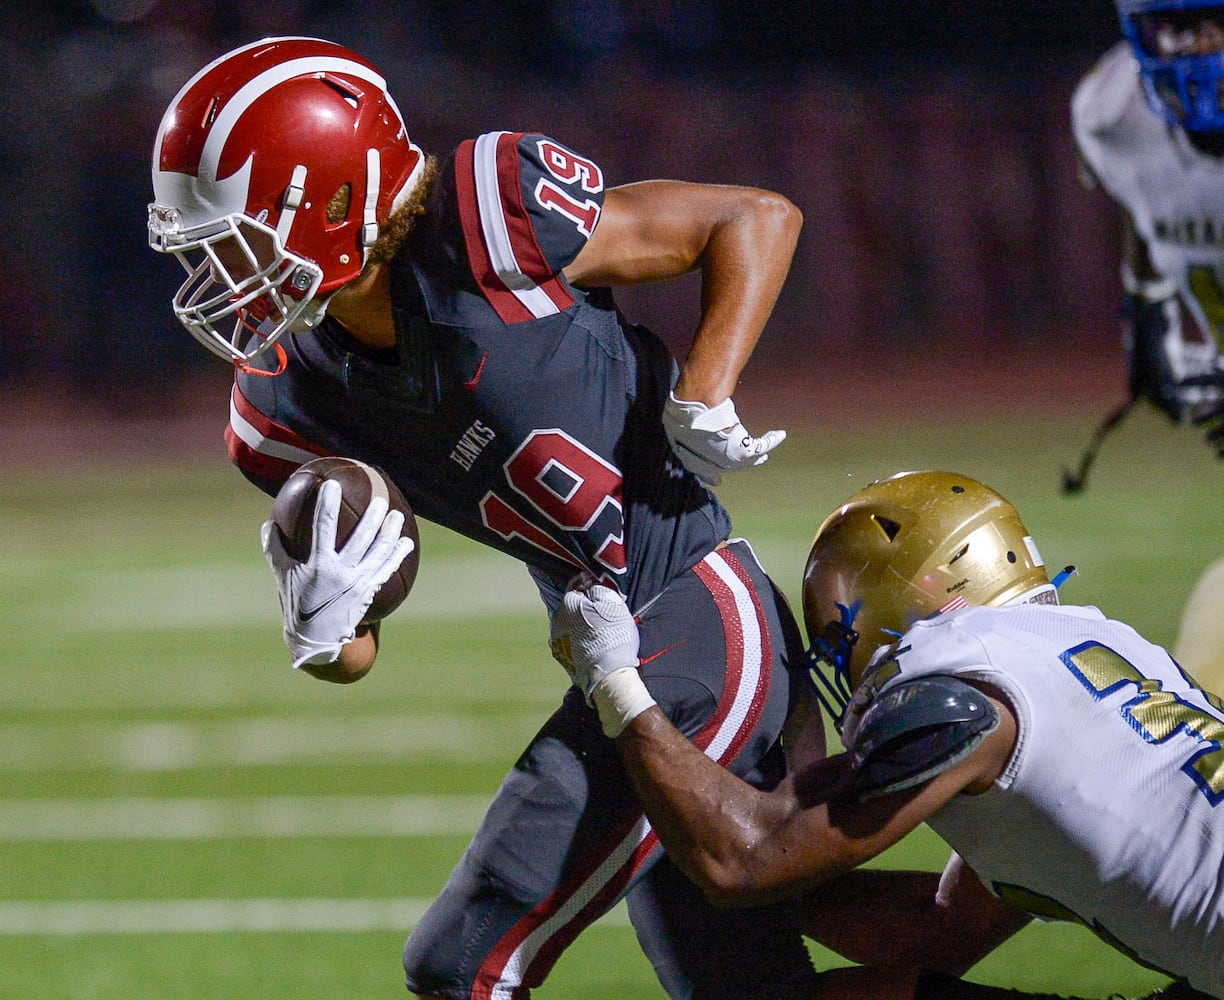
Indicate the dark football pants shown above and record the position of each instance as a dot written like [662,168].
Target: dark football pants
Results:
[564,838]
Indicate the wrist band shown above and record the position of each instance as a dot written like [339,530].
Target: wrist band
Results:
[619,699]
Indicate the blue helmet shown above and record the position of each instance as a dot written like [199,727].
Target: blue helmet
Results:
[1187,91]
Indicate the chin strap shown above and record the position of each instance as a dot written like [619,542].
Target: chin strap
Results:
[282,359]
[282,362]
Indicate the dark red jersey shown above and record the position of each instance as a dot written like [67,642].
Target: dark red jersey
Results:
[516,409]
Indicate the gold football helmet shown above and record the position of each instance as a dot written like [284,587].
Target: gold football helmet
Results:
[903,549]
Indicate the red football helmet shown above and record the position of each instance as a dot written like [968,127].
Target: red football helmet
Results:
[273,169]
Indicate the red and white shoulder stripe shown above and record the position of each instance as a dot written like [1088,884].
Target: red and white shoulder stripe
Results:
[262,448]
[512,271]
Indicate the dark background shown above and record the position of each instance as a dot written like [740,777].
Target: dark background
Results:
[927,144]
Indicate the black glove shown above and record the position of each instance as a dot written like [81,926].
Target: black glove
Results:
[1179,378]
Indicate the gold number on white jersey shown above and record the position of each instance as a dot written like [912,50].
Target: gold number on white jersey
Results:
[1158,715]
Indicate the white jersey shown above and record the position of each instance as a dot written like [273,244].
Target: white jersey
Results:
[1174,193]
[1111,809]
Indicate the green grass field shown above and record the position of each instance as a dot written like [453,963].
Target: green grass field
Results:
[182,816]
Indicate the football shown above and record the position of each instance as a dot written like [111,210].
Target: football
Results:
[293,514]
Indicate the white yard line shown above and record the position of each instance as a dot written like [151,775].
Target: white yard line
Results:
[197,916]
[225,596]
[205,916]
[67,820]
[260,741]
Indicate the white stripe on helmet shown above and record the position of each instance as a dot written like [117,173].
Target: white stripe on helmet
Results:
[206,196]
[254,89]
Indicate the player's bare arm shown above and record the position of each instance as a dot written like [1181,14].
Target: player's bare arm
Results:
[744,845]
[740,238]
[355,659]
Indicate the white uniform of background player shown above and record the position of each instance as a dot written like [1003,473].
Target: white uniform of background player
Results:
[1108,728]
[1169,180]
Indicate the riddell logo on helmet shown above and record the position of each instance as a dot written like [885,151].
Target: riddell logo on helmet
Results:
[959,585]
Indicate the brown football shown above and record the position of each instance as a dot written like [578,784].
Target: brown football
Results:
[293,514]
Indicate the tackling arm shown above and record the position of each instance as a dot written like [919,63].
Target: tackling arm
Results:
[742,845]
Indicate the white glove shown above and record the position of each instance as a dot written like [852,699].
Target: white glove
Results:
[711,441]
[595,638]
[324,598]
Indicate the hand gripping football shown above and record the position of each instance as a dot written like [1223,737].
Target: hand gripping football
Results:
[293,514]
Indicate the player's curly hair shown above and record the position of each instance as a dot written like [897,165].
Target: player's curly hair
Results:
[395,230]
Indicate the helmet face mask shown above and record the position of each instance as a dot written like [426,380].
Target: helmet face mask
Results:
[1179,46]
[1181,34]
[238,275]
[906,548]
[274,169]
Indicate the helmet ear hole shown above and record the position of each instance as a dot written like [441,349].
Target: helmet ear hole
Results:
[338,204]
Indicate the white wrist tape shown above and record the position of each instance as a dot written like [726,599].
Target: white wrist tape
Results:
[619,699]
[305,651]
